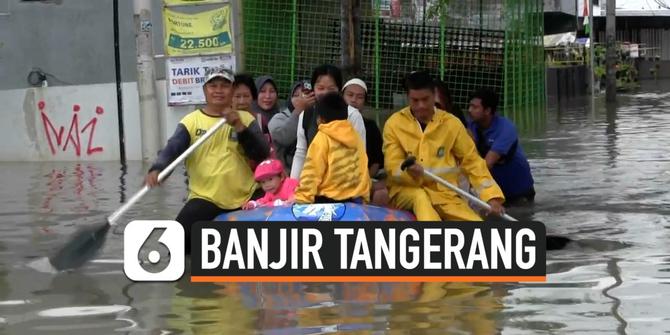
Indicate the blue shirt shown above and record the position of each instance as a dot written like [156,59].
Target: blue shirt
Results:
[512,171]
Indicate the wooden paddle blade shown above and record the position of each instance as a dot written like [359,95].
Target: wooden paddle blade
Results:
[83,246]
[557,242]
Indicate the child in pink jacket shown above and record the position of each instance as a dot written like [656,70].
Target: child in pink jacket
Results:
[278,188]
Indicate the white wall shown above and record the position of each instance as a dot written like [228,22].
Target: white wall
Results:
[627,8]
[169,117]
[25,136]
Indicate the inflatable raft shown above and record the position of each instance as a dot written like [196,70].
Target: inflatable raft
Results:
[347,211]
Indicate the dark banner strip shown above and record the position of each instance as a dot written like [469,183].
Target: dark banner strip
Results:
[354,279]
[363,251]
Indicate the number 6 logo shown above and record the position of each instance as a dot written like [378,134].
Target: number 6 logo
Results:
[135,237]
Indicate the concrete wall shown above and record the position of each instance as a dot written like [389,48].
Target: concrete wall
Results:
[662,69]
[71,40]
[60,123]
[560,16]
[73,43]
[561,6]
[76,123]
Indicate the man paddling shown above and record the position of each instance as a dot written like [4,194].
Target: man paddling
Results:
[442,146]
[219,176]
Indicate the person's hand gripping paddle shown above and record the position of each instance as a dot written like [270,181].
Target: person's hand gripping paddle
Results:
[553,242]
[85,243]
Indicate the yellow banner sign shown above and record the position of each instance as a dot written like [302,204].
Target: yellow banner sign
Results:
[190,2]
[198,34]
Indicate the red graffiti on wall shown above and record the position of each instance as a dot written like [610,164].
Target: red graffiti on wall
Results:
[73,138]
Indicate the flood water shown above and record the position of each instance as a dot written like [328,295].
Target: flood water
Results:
[602,177]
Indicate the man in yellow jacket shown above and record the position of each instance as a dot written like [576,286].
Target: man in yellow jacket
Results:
[336,166]
[441,145]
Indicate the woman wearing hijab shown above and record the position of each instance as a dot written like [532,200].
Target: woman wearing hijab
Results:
[266,104]
[284,125]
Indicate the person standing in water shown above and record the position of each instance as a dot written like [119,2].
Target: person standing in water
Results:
[498,143]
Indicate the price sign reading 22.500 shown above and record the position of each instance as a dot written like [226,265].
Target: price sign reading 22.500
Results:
[215,41]
[202,33]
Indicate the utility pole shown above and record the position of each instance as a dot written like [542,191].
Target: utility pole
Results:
[610,59]
[349,36]
[592,46]
[146,81]
[119,82]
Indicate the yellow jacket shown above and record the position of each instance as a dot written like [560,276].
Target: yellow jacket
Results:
[336,165]
[445,148]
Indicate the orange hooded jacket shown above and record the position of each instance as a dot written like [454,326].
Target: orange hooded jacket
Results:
[336,165]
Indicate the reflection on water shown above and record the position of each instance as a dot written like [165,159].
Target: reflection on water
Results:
[82,311]
[295,308]
[601,171]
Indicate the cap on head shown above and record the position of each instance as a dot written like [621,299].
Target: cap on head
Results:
[219,72]
[355,81]
[268,168]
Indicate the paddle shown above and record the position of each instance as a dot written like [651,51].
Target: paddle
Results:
[553,242]
[85,243]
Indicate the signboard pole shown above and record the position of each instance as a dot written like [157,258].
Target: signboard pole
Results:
[238,34]
[610,53]
[146,81]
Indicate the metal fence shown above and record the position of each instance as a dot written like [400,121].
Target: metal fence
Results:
[468,44]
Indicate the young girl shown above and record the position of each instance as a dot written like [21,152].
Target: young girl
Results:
[278,188]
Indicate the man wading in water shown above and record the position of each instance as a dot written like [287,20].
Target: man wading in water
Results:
[498,143]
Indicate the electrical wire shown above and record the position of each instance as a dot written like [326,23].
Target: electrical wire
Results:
[36,76]
[651,10]
[662,4]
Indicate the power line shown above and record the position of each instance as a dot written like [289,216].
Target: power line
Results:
[662,4]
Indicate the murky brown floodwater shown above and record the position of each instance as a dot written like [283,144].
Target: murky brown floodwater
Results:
[602,178]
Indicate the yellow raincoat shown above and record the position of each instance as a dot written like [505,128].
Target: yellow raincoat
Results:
[336,165]
[445,149]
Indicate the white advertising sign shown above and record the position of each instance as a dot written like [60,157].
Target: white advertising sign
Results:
[186,75]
